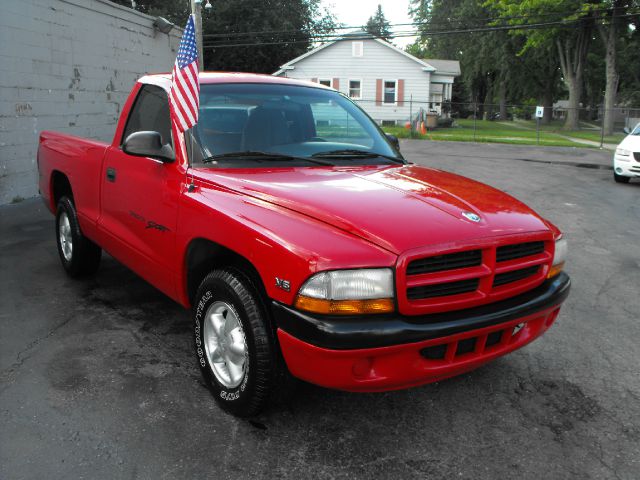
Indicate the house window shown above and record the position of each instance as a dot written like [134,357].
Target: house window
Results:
[325,81]
[356,49]
[355,89]
[390,91]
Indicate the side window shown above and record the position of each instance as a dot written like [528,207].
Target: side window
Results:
[150,112]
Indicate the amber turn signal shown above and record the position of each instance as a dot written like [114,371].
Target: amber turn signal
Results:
[555,270]
[344,307]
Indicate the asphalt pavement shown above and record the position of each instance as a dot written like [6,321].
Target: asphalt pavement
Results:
[98,379]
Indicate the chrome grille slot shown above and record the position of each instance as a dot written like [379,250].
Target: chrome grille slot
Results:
[442,289]
[440,263]
[519,250]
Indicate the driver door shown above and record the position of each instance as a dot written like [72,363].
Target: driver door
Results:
[139,196]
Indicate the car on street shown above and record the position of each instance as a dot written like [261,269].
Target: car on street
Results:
[626,159]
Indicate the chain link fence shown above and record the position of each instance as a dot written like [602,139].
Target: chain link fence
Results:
[510,123]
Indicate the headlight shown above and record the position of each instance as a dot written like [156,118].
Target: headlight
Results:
[348,292]
[559,257]
[622,152]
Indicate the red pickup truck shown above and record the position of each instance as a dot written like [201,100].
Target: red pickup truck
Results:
[302,240]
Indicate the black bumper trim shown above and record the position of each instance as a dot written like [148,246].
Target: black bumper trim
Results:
[353,332]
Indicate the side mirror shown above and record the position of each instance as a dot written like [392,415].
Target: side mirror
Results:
[626,130]
[394,140]
[148,144]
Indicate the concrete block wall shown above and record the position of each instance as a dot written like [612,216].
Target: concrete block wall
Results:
[68,65]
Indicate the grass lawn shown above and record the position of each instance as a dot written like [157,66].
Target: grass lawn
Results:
[487,131]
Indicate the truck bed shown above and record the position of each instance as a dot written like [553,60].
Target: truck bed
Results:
[80,159]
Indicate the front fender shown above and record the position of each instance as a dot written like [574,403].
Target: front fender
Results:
[277,241]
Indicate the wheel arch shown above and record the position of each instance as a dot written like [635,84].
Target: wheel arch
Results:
[203,255]
[60,186]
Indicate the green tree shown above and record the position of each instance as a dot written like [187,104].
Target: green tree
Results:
[611,24]
[272,31]
[487,58]
[378,26]
[536,74]
[250,36]
[571,44]
[629,59]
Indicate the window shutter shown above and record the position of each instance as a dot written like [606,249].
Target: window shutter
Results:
[336,83]
[400,93]
[379,91]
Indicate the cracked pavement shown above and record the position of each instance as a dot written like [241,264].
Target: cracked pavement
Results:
[98,380]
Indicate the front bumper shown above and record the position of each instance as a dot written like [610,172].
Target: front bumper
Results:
[626,166]
[387,352]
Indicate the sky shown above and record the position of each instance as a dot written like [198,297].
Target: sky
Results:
[357,12]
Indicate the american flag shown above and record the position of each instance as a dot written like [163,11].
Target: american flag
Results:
[184,96]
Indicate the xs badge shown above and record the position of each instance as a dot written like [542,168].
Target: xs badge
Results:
[471,216]
[283,284]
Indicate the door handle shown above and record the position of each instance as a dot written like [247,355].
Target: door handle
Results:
[111,174]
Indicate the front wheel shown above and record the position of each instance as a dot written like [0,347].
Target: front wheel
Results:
[235,345]
[79,255]
[620,178]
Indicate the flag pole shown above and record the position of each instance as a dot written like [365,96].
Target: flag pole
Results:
[196,11]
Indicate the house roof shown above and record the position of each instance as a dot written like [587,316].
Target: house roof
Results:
[451,67]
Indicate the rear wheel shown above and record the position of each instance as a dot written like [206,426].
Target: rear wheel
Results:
[79,255]
[620,178]
[235,344]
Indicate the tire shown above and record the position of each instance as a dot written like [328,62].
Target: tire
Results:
[620,178]
[79,255]
[242,377]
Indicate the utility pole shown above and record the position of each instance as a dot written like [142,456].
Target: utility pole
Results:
[196,10]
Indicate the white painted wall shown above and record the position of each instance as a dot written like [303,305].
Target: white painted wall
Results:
[68,65]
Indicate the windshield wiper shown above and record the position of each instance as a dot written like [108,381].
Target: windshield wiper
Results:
[268,156]
[355,153]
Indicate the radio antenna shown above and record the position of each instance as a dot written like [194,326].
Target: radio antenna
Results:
[192,185]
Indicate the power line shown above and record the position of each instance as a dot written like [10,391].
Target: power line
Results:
[483,29]
[413,24]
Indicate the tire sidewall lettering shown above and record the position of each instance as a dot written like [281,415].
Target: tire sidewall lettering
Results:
[200,309]
[227,395]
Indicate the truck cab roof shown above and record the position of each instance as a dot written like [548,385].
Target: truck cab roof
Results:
[164,79]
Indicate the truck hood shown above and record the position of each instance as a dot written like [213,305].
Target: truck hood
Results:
[395,207]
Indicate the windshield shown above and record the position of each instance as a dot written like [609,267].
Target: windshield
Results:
[636,131]
[293,121]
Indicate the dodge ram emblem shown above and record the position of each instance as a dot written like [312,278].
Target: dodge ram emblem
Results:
[471,216]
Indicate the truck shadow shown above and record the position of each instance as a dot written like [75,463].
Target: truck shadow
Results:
[498,393]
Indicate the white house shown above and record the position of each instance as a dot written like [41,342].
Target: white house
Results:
[387,82]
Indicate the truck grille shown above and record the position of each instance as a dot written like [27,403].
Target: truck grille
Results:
[441,263]
[443,289]
[519,250]
[496,269]
[514,275]
[636,155]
